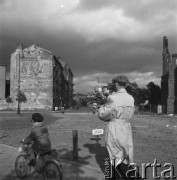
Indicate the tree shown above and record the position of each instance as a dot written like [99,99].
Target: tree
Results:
[132,89]
[140,95]
[21,98]
[9,100]
[155,93]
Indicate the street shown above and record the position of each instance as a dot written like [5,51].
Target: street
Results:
[154,137]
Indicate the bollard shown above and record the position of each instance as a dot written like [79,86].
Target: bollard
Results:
[75,145]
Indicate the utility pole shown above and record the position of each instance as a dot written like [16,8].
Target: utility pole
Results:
[98,81]
[21,45]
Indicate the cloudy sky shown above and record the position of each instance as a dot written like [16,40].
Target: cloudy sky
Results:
[99,39]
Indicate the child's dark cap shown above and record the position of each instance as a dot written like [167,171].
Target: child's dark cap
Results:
[37,117]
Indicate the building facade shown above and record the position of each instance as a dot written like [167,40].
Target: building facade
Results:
[169,80]
[2,81]
[38,73]
[68,78]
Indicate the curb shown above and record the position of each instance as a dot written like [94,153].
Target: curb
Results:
[65,161]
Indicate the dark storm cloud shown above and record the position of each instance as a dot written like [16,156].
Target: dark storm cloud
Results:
[140,10]
[94,37]
[114,56]
[104,56]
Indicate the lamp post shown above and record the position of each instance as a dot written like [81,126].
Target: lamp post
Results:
[21,45]
[98,81]
[18,109]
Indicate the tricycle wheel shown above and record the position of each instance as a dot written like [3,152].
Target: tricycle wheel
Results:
[21,166]
[52,170]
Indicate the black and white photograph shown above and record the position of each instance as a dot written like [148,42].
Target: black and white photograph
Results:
[88,89]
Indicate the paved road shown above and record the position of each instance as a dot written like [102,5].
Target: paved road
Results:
[71,170]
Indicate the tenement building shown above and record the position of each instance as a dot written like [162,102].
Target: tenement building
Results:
[39,74]
[68,77]
[2,81]
[169,80]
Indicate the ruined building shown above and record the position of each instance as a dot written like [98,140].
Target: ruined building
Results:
[169,80]
[2,81]
[68,77]
[39,74]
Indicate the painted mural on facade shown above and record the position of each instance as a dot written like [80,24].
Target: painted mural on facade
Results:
[39,76]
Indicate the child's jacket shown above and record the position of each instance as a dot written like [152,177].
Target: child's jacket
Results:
[39,135]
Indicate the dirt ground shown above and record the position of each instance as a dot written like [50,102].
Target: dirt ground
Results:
[154,137]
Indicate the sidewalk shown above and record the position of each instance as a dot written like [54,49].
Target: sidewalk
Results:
[71,170]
